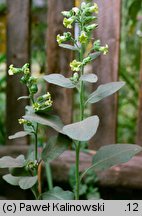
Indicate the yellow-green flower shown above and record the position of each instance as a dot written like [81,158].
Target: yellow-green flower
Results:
[60,39]
[75,10]
[11,70]
[68,22]
[83,38]
[23,121]
[94,8]
[75,65]
[104,49]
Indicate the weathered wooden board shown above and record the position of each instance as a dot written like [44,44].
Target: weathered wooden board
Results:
[18,44]
[58,59]
[126,175]
[106,67]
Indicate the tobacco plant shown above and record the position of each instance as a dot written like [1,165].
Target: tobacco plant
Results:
[27,172]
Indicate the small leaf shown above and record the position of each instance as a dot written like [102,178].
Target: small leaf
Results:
[11,179]
[67,46]
[110,155]
[23,97]
[91,78]
[57,194]
[104,91]
[19,134]
[7,161]
[50,120]
[60,80]
[83,130]
[55,146]
[27,182]
[94,55]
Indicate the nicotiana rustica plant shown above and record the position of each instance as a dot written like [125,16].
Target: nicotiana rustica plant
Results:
[25,172]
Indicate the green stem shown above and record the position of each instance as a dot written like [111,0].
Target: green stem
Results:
[49,176]
[77,171]
[36,143]
[81,92]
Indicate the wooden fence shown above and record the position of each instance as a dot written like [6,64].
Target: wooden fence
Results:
[18,53]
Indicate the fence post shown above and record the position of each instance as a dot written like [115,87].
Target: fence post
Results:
[58,58]
[18,37]
[139,117]
[106,67]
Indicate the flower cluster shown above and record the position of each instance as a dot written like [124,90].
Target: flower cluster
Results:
[83,16]
[43,102]
[24,122]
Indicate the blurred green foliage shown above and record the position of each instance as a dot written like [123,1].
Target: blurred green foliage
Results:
[129,70]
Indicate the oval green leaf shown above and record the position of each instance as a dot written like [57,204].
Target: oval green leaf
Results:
[19,134]
[67,46]
[11,179]
[27,182]
[9,162]
[110,155]
[104,91]
[55,146]
[83,130]
[91,78]
[60,80]
[58,193]
[50,120]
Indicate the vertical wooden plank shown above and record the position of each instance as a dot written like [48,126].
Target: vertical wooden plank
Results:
[106,67]
[18,40]
[139,117]
[58,59]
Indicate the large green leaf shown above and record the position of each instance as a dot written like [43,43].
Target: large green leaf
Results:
[104,91]
[9,162]
[111,155]
[27,182]
[55,146]
[50,120]
[57,194]
[19,134]
[60,80]
[11,179]
[91,78]
[67,46]
[83,130]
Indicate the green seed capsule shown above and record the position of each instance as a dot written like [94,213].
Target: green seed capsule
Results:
[33,89]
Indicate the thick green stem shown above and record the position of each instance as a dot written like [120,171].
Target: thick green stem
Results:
[49,176]
[81,92]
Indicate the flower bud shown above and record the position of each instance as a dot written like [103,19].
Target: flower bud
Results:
[75,10]
[32,80]
[33,89]
[86,60]
[96,45]
[66,13]
[26,69]
[91,27]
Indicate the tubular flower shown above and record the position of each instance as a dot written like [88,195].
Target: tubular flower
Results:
[94,8]
[68,22]
[12,70]
[104,49]
[75,65]
[83,38]
[63,38]
[24,121]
